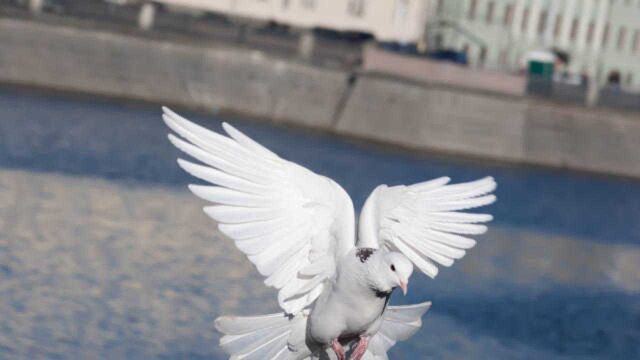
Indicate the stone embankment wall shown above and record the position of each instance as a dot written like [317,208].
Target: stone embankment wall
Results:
[414,115]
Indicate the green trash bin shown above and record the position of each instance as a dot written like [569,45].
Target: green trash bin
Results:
[540,78]
[541,69]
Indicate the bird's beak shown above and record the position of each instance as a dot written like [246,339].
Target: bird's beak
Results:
[403,286]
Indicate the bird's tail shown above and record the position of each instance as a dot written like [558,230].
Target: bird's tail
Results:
[265,337]
[282,337]
[398,323]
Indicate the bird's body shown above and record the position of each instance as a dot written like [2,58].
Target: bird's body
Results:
[298,228]
[353,305]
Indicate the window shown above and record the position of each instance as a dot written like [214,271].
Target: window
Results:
[590,31]
[482,57]
[525,19]
[309,4]
[636,41]
[400,11]
[622,37]
[542,22]
[490,8]
[472,9]
[356,8]
[557,26]
[574,29]
[605,35]
[439,6]
[503,57]
[508,15]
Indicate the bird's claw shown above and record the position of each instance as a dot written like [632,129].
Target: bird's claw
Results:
[338,349]
[360,349]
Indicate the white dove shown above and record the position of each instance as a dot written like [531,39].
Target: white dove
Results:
[298,228]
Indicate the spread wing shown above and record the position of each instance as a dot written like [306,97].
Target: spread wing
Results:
[290,222]
[426,221]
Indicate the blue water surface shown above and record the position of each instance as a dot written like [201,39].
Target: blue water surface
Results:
[496,317]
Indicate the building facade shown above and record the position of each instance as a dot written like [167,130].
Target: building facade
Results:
[601,36]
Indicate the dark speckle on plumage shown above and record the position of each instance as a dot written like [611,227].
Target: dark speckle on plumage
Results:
[364,253]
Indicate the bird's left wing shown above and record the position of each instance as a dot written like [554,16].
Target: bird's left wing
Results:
[290,222]
[426,221]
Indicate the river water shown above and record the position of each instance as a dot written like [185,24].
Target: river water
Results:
[104,253]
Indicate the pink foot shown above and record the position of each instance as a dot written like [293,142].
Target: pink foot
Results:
[361,348]
[338,349]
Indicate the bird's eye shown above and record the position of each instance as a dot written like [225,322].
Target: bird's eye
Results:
[393,268]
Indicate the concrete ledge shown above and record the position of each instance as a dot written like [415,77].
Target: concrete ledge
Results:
[126,66]
[586,140]
[420,116]
[505,128]
[432,118]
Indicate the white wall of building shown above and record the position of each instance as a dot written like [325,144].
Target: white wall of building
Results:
[387,20]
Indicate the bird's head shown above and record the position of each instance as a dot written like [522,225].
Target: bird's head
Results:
[397,269]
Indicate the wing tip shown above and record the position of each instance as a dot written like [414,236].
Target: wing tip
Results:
[187,166]
[432,273]
[175,141]
[229,129]
[167,120]
[218,323]
[489,181]
[166,111]
[197,189]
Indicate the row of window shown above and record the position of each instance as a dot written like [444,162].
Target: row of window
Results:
[507,20]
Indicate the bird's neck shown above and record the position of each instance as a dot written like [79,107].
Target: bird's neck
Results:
[375,285]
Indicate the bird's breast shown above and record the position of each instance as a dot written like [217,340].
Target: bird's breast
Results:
[345,315]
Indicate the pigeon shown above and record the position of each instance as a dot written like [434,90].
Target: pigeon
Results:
[333,278]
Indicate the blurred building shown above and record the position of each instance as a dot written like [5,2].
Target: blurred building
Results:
[600,36]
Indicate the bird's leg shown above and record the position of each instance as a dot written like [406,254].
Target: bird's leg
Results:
[361,348]
[338,349]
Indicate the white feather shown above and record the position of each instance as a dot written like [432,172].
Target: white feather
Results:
[296,226]
[234,155]
[271,208]
[222,179]
[248,142]
[237,215]
[262,337]
[398,324]
[424,221]
[220,195]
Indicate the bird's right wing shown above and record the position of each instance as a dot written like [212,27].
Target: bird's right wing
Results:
[290,222]
[427,221]
[398,324]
